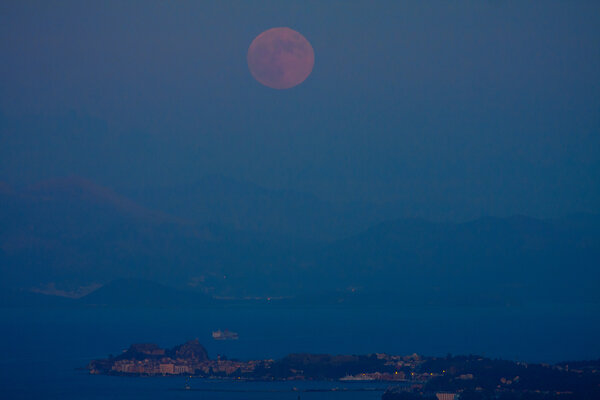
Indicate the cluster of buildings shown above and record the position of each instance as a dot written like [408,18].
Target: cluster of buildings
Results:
[376,376]
[408,373]
[163,366]
[169,366]
[191,359]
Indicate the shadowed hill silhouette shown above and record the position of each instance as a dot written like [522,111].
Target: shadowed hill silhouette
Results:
[72,233]
[250,207]
[143,293]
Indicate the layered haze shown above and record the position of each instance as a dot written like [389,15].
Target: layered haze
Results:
[62,235]
[432,186]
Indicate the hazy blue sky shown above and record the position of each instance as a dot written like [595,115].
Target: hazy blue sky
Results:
[447,108]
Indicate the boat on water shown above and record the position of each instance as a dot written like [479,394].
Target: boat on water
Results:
[225,335]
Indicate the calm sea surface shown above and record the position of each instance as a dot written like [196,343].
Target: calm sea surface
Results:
[42,349]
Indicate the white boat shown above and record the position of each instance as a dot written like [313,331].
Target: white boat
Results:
[225,335]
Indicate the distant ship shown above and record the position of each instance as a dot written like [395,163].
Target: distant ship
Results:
[225,335]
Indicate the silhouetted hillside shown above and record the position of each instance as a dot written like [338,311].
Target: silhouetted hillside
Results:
[142,293]
[487,260]
[22,298]
[249,207]
[70,234]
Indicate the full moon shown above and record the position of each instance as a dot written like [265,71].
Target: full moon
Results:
[280,58]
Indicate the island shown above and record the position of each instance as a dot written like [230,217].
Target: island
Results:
[409,376]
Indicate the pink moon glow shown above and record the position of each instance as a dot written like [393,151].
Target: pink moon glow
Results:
[280,58]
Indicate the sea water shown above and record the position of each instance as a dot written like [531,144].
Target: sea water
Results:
[42,351]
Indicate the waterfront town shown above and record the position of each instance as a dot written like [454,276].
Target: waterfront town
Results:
[187,359]
[191,358]
[410,376]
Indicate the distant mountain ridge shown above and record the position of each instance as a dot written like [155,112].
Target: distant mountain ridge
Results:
[75,188]
[119,293]
[250,207]
[143,293]
[488,258]
[71,233]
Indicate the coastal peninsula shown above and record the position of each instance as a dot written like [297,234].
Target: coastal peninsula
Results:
[410,376]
